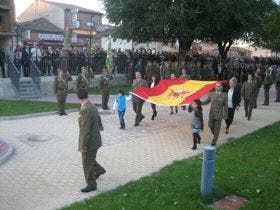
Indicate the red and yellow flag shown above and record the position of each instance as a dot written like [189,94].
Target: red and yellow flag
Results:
[175,92]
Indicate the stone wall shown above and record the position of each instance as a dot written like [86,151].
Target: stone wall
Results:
[47,83]
[7,90]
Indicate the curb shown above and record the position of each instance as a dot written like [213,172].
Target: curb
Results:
[35,115]
[8,154]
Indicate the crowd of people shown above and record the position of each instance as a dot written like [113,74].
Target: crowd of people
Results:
[225,99]
[146,61]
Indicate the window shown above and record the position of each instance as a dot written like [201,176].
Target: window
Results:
[78,23]
[90,24]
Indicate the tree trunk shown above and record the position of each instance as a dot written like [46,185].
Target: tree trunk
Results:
[223,49]
[184,47]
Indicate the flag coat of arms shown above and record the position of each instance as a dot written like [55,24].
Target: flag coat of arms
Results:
[175,92]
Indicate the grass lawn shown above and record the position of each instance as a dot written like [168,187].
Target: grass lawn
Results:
[248,167]
[21,107]
[113,90]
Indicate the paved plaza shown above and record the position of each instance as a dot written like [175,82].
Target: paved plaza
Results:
[46,170]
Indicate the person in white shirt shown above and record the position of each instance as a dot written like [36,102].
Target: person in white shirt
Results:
[36,54]
[234,99]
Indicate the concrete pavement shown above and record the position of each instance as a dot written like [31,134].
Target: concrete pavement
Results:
[46,170]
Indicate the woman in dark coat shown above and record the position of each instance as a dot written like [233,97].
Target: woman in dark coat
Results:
[234,99]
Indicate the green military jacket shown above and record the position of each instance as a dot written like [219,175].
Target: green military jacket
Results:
[61,85]
[90,126]
[83,81]
[150,69]
[135,85]
[219,105]
[104,84]
[267,82]
[249,90]
[258,80]
[166,72]
[277,76]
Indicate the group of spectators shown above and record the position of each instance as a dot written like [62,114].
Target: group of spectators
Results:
[146,61]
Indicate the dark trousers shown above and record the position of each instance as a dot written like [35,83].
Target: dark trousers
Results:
[230,117]
[196,140]
[266,96]
[153,108]
[256,104]
[91,167]
[121,118]
[248,105]
[25,68]
[61,100]
[105,99]
[215,126]
[2,66]
[48,70]
[137,108]
[277,86]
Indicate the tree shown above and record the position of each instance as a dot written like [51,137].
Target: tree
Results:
[224,21]
[269,36]
[166,20]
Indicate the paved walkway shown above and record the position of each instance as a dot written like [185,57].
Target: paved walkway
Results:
[46,171]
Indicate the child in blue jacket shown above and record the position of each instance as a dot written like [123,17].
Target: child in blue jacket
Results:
[120,105]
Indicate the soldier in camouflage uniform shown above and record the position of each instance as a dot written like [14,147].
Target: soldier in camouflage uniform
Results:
[258,80]
[277,84]
[61,90]
[104,88]
[83,80]
[167,70]
[218,110]
[136,101]
[90,126]
[249,92]
[267,82]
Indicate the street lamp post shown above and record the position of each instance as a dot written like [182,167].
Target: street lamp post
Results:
[90,38]
[90,32]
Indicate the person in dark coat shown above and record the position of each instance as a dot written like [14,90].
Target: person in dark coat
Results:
[234,99]
[25,61]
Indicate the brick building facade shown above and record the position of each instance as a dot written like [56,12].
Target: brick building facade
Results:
[7,22]
[80,22]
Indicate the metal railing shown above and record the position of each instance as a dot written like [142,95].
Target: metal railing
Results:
[35,74]
[14,74]
[73,64]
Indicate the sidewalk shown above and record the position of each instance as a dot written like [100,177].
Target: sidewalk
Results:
[46,170]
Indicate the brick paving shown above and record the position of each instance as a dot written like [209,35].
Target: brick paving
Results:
[46,171]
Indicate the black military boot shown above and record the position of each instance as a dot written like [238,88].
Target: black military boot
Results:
[198,138]
[194,147]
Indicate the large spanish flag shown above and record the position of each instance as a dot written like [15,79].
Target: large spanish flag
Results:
[175,92]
